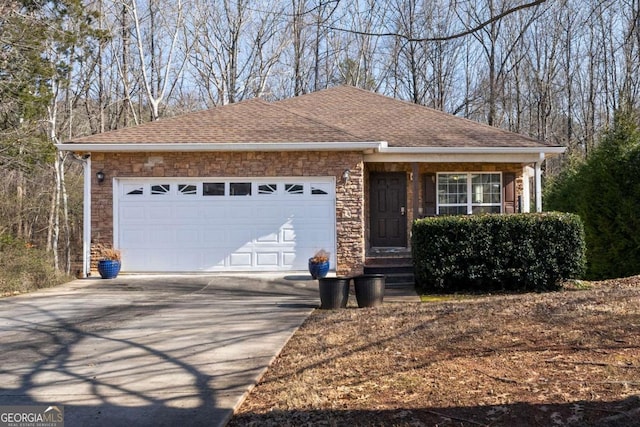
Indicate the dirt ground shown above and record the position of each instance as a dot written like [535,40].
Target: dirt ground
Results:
[553,359]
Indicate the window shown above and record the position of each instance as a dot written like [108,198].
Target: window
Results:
[294,188]
[133,190]
[187,189]
[469,193]
[319,189]
[240,188]
[160,189]
[213,189]
[267,188]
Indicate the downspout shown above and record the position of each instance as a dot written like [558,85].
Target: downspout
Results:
[415,182]
[539,183]
[86,219]
[86,213]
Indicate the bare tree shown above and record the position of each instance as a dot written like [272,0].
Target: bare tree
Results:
[235,49]
[156,33]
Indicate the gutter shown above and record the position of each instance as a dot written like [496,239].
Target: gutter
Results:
[368,146]
[380,147]
[473,150]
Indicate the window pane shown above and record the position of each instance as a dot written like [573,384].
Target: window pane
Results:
[267,188]
[135,192]
[160,189]
[452,210]
[485,188]
[485,209]
[319,189]
[213,189]
[240,188]
[452,188]
[187,189]
[294,188]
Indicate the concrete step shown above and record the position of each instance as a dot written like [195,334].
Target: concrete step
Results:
[398,271]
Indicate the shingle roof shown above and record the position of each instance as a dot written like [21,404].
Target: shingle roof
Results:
[402,124]
[339,114]
[244,122]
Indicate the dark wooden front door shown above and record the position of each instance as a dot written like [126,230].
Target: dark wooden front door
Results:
[388,202]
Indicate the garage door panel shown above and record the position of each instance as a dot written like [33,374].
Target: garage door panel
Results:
[242,211]
[268,259]
[131,237]
[238,238]
[288,235]
[288,258]
[159,212]
[212,232]
[268,237]
[133,213]
[189,211]
[209,211]
[186,236]
[158,236]
[316,213]
[266,232]
[240,259]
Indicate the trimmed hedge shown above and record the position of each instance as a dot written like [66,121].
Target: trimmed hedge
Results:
[519,252]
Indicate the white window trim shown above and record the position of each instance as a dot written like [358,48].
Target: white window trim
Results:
[469,203]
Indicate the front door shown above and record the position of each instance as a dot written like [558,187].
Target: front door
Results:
[388,201]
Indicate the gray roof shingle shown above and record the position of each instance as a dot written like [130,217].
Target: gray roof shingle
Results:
[251,121]
[339,114]
[402,124]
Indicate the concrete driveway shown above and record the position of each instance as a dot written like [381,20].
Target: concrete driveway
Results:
[147,350]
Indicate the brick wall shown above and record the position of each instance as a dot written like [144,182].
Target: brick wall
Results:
[349,201]
[352,198]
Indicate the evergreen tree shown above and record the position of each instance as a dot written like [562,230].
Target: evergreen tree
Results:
[605,191]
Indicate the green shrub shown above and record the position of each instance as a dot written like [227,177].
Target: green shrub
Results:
[605,191]
[520,252]
[24,268]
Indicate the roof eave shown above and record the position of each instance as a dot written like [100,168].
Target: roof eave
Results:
[474,150]
[365,146]
[523,155]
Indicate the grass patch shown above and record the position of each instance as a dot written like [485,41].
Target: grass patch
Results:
[577,285]
[445,297]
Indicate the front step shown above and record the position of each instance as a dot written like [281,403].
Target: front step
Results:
[397,270]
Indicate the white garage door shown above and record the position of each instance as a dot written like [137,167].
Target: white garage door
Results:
[223,224]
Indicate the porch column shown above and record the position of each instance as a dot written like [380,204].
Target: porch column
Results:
[415,181]
[539,183]
[527,173]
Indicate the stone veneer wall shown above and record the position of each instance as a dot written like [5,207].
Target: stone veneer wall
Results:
[349,196]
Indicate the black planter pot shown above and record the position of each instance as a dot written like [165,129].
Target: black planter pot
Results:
[369,289]
[334,292]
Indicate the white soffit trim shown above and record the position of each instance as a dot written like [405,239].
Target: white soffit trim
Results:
[473,150]
[366,146]
[463,154]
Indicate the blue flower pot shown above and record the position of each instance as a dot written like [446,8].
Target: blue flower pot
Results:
[318,270]
[108,268]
